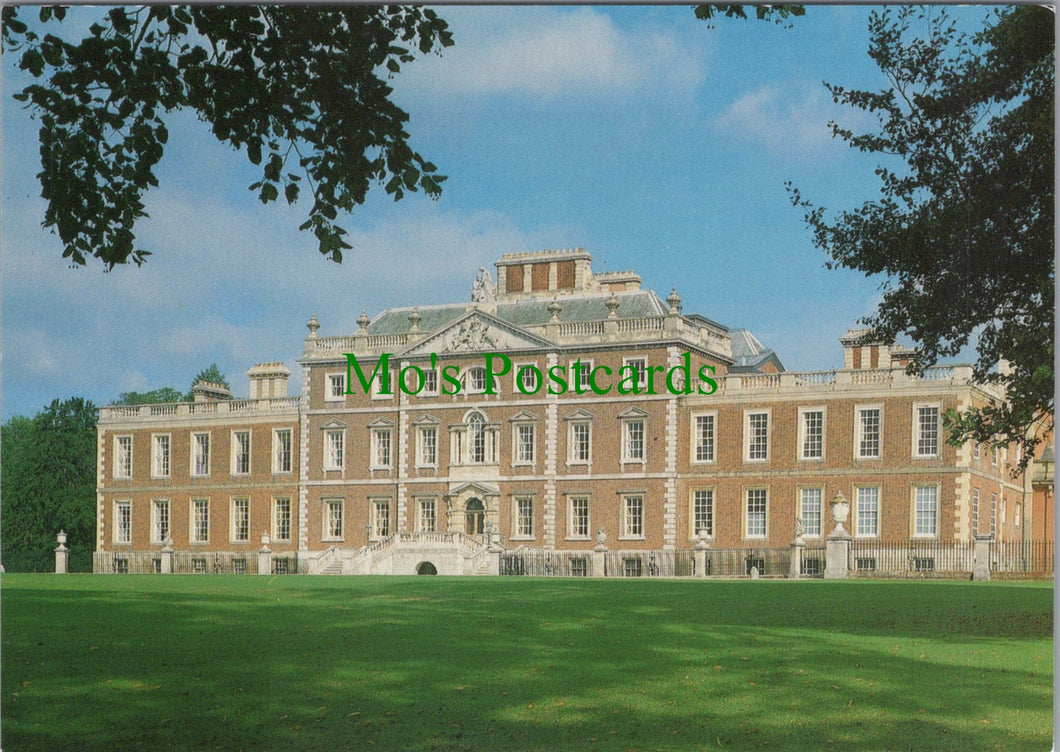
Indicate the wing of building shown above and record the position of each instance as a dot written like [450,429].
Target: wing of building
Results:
[559,412]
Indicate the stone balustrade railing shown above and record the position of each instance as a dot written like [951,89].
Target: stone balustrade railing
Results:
[195,410]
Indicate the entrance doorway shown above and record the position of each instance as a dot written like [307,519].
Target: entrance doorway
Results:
[476,517]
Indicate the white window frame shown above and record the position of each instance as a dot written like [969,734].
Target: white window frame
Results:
[993,515]
[518,445]
[334,449]
[867,500]
[806,494]
[194,465]
[470,377]
[122,522]
[521,503]
[161,521]
[925,525]
[751,438]
[1017,515]
[331,381]
[161,455]
[429,389]
[378,447]
[859,432]
[574,500]
[629,440]
[123,457]
[633,517]
[526,376]
[918,430]
[422,432]
[329,518]
[586,370]
[282,512]
[237,451]
[572,445]
[199,524]
[423,503]
[710,446]
[234,529]
[380,510]
[642,373]
[748,534]
[278,466]
[804,413]
[975,511]
[704,497]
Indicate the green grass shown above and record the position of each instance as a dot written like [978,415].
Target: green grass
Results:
[297,663]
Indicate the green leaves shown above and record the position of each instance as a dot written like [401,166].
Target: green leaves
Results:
[298,87]
[963,228]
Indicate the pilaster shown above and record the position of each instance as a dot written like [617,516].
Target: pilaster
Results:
[551,451]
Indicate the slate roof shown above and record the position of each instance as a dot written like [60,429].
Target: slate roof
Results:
[748,353]
[527,312]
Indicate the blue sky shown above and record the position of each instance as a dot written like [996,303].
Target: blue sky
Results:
[654,141]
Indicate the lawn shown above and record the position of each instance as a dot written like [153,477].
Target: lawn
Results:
[332,663]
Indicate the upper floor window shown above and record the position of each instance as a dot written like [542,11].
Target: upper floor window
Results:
[240,452]
[427,446]
[334,449]
[528,376]
[633,440]
[580,442]
[703,438]
[381,457]
[867,432]
[200,460]
[476,439]
[638,369]
[811,434]
[430,382]
[335,387]
[123,456]
[757,428]
[475,380]
[525,440]
[281,450]
[580,370]
[160,455]
[926,441]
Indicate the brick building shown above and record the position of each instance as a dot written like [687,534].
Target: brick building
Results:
[560,410]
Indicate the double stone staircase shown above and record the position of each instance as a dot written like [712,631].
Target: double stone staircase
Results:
[446,553]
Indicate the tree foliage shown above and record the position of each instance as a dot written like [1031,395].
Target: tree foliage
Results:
[212,375]
[778,14]
[153,397]
[963,227]
[48,482]
[301,90]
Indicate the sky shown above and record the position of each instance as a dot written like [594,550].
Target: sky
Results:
[656,142]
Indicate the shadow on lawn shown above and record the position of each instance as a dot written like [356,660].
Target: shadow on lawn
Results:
[529,665]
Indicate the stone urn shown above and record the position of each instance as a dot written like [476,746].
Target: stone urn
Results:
[840,513]
[61,537]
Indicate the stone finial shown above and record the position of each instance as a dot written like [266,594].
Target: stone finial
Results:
[414,320]
[61,538]
[363,321]
[553,309]
[674,300]
[312,325]
[840,512]
[612,306]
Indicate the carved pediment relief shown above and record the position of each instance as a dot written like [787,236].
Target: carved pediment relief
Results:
[477,332]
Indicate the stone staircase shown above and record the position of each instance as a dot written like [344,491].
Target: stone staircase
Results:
[450,553]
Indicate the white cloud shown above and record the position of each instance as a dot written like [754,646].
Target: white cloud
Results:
[783,122]
[554,52]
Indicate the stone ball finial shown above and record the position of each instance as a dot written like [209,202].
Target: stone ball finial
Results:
[363,320]
[312,325]
[414,320]
[674,300]
[553,309]
[612,306]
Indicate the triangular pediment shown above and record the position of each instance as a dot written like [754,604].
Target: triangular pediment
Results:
[333,424]
[579,415]
[632,412]
[477,331]
[523,417]
[381,423]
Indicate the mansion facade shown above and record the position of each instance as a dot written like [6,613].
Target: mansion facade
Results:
[560,410]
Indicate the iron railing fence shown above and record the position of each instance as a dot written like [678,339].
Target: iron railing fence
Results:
[910,557]
[191,562]
[1033,557]
[538,562]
